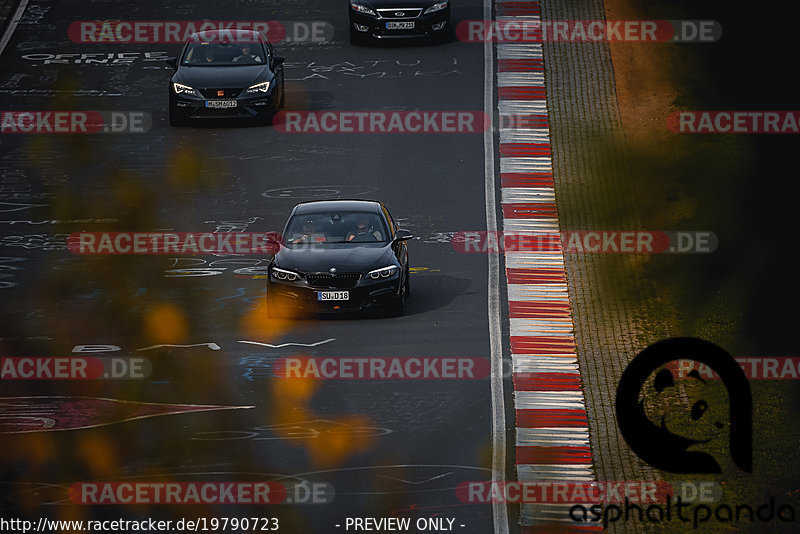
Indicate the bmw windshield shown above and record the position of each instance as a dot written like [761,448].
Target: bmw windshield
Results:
[338,227]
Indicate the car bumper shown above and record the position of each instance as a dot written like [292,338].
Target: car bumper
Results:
[249,107]
[424,26]
[299,297]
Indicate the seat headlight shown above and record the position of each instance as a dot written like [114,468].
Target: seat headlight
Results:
[283,274]
[383,272]
[436,7]
[262,87]
[181,89]
[363,9]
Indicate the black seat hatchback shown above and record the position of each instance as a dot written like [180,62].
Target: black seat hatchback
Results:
[226,74]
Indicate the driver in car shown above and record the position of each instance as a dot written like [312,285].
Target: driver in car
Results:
[309,233]
[247,57]
[363,231]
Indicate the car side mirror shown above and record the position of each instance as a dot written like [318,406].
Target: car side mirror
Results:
[172,62]
[403,235]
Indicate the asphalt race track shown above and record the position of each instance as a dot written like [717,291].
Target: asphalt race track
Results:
[388,447]
[141,386]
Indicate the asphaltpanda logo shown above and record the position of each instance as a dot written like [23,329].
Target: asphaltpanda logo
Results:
[663,445]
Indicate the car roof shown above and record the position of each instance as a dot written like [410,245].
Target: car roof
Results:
[317,206]
[227,35]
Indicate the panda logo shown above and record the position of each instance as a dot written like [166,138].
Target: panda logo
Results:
[661,431]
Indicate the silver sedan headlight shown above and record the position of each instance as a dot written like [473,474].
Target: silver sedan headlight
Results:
[436,7]
[363,9]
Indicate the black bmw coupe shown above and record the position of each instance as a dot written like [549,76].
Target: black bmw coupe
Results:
[339,256]
[398,19]
[226,74]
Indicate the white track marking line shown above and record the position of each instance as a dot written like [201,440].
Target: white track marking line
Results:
[12,25]
[499,509]
[290,344]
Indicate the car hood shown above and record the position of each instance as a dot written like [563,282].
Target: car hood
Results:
[210,77]
[344,257]
[384,4]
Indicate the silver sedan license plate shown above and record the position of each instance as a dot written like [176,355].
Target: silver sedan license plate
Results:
[220,104]
[333,295]
[399,25]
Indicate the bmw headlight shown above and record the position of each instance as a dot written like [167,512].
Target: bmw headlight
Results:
[363,9]
[282,274]
[436,7]
[384,272]
[262,87]
[181,89]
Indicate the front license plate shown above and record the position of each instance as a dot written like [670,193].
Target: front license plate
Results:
[333,295]
[399,25]
[220,104]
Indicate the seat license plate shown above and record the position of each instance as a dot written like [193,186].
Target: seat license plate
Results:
[220,104]
[333,295]
[399,25]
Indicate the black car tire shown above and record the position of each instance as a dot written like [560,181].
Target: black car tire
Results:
[266,118]
[356,37]
[442,37]
[174,120]
[398,308]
